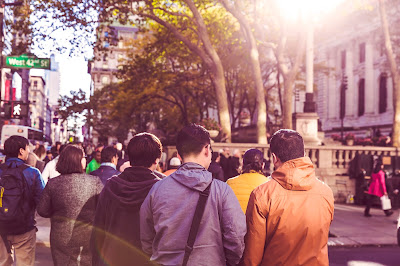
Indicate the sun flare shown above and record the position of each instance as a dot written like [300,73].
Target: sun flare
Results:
[292,9]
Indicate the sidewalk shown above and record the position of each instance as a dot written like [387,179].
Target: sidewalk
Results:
[349,226]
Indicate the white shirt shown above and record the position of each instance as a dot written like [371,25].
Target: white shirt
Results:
[50,170]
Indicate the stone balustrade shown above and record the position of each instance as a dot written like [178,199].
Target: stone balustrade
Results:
[331,161]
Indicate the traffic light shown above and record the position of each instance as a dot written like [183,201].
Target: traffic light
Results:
[16,110]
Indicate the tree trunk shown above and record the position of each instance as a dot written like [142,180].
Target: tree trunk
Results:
[287,110]
[218,79]
[395,75]
[256,70]
[217,72]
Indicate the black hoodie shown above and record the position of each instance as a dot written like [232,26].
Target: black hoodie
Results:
[116,233]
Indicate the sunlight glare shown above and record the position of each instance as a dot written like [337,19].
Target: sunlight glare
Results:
[291,9]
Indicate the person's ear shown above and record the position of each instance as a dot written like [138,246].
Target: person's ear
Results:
[274,158]
[157,161]
[207,150]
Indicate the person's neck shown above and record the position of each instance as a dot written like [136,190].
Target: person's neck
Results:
[193,159]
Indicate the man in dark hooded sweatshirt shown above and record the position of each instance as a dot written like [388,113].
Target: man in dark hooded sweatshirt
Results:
[116,232]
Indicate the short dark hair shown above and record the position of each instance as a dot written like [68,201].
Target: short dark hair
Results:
[214,156]
[253,160]
[287,145]
[108,153]
[144,149]
[191,140]
[13,144]
[70,160]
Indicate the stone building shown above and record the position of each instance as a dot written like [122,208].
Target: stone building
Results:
[117,39]
[356,93]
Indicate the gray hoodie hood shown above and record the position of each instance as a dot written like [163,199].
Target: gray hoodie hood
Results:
[193,175]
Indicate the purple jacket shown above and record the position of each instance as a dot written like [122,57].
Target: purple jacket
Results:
[167,212]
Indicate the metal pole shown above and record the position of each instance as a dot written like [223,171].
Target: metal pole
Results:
[1,45]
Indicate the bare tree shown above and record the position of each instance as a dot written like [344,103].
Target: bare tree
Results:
[394,73]
[236,10]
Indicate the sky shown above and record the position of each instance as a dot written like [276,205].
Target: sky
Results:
[74,74]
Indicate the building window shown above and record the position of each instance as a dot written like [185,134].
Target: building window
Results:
[361,97]
[105,80]
[382,93]
[35,85]
[343,58]
[362,52]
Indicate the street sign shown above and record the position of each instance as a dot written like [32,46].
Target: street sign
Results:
[24,61]
[16,110]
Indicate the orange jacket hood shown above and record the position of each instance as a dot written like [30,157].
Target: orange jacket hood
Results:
[297,174]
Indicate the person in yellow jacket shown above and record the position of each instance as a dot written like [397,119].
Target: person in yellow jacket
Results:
[251,177]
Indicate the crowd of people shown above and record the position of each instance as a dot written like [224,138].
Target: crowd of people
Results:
[134,207]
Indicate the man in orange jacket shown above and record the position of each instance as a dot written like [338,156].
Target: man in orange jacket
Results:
[288,218]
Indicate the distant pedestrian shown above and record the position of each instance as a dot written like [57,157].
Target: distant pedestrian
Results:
[174,164]
[56,149]
[288,217]
[108,166]
[215,168]
[94,164]
[234,164]
[48,158]
[377,187]
[40,152]
[70,201]
[21,187]
[33,160]
[116,234]
[224,161]
[167,214]
[50,170]
[251,177]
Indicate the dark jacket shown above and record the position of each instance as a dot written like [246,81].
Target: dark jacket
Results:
[36,184]
[70,202]
[116,236]
[216,171]
[233,165]
[105,172]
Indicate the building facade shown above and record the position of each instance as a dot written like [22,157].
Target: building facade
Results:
[117,39]
[356,93]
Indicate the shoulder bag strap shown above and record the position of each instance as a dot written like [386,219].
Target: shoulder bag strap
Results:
[194,228]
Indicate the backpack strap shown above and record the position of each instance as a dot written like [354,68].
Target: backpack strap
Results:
[194,228]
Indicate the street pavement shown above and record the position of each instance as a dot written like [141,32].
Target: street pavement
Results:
[349,229]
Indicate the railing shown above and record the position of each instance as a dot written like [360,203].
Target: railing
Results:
[331,162]
[323,157]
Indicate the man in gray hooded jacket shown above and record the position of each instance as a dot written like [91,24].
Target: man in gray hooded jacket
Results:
[167,212]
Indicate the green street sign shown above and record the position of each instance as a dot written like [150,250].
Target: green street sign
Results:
[24,61]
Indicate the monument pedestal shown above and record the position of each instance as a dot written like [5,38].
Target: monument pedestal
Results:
[307,125]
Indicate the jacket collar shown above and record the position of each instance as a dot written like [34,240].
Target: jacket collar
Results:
[296,174]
